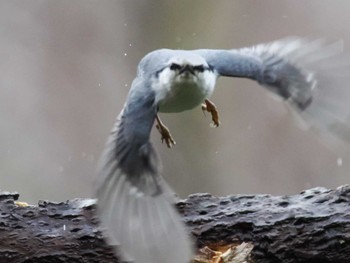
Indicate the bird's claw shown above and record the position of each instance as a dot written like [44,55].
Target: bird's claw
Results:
[210,107]
[165,134]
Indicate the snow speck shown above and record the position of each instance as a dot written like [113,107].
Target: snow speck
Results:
[64,227]
[125,54]
[339,162]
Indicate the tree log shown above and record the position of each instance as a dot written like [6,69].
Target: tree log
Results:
[313,226]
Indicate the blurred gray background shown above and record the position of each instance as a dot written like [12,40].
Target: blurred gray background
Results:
[66,67]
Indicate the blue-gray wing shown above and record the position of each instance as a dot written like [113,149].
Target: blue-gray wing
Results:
[312,76]
[135,205]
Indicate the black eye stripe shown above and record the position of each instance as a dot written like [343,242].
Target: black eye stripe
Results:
[175,66]
[199,68]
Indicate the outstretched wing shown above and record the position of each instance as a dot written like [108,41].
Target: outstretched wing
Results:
[134,203]
[312,76]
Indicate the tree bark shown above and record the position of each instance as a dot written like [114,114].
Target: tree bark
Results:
[313,226]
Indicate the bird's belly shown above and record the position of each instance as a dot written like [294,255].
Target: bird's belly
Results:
[183,96]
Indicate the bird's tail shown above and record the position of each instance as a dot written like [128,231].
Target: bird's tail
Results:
[313,76]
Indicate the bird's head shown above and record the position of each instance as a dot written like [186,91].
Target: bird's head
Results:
[186,68]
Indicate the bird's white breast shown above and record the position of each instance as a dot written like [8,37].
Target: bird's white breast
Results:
[176,93]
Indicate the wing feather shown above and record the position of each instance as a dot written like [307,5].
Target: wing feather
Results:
[312,76]
[135,205]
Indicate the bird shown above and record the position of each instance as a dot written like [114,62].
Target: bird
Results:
[135,205]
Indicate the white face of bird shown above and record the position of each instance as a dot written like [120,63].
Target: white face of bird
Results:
[184,83]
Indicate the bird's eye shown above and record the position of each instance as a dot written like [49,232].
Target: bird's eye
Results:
[175,66]
[199,68]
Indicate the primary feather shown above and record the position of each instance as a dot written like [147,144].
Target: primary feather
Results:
[315,74]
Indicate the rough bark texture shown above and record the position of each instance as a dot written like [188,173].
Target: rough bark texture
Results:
[313,226]
[50,232]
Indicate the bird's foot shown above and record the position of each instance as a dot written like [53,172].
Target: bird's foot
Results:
[165,133]
[210,107]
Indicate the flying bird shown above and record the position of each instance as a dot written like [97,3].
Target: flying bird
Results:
[135,204]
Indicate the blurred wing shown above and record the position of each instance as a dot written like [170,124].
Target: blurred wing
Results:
[134,203]
[312,76]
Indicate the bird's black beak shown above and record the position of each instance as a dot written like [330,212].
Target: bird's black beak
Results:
[187,68]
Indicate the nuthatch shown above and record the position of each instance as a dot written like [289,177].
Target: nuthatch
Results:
[135,204]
